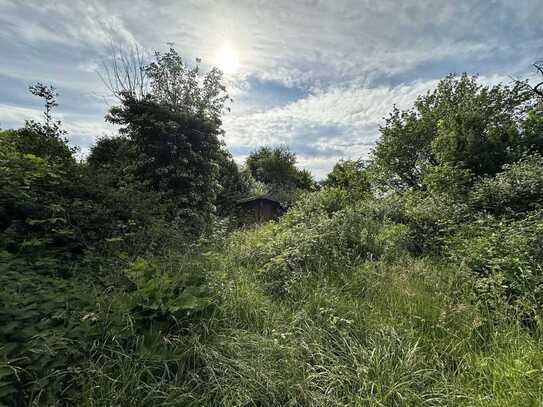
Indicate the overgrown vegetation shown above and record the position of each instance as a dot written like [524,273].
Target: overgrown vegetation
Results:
[412,278]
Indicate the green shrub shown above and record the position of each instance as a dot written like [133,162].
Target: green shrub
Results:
[518,189]
[431,218]
[319,235]
[167,292]
[51,325]
[33,208]
[506,256]
[46,329]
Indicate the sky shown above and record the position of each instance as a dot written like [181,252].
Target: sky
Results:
[317,76]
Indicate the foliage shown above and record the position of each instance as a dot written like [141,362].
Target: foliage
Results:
[164,298]
[273,171]
[46,329]
[448,179]
[380,333]
[176,157]
[124,215]
[47,139]
[277,166]
[32,197]
[54,211]
[51,324]
[122,283]
[517,189]
[286,251]
[351,175]
[460,124]
[506,256]
[431,218]
[184,89]
[234,185]
[115,154]
[173,133]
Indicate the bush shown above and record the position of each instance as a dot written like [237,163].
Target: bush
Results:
[34,204]
[518,189]
[317,236]
[506,256]
[46,331]
[431,218]
[168,293]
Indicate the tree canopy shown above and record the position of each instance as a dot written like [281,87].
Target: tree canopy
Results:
[277,167]
[350,175]
[174,129]
[462,124]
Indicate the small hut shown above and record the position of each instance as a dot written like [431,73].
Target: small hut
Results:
[260,209]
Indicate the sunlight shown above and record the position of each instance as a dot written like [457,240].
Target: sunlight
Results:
[227,60]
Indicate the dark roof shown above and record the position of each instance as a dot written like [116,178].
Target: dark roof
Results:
[259,198]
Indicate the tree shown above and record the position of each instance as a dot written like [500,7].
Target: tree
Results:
[49,95]
[175,130]
[277,167]
[185,89]
[537,89]
[233,185]
[47,139]
[176,155]
[38,183]
[461,124]
[484,130]
[168,79]
[350,175]
[123,73]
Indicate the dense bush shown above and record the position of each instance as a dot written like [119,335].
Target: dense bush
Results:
[50,325]
[46,330]
[515,190]
[35,203]
[319,234]
[506,256]
[166,293]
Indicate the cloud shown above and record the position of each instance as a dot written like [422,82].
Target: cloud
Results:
[339,122]
[75,23]
[13,116]
[83,130]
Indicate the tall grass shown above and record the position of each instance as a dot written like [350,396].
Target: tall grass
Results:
[372,333]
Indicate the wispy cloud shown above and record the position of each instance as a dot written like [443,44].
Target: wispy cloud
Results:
[340,120]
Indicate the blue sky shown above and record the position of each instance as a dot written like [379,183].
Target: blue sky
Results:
[318,76]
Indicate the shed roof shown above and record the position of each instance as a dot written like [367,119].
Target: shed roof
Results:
[259,198]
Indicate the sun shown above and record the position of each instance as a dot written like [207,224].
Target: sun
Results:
[227,60]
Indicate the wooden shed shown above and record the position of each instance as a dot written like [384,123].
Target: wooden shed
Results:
[260,209]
